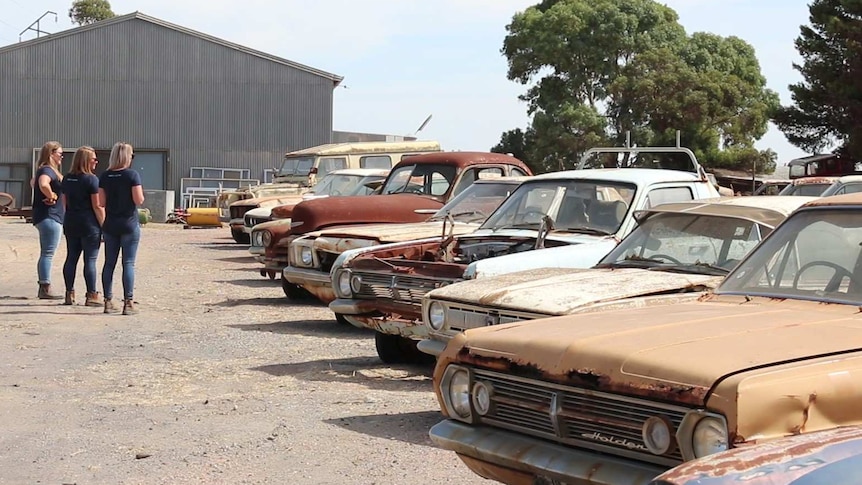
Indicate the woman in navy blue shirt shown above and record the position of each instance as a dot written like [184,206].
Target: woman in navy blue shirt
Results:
[82,224]
[120,193]
[48,211]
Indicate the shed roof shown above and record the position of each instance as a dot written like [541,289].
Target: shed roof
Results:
[153,20]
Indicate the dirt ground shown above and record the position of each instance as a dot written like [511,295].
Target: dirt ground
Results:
[218,379]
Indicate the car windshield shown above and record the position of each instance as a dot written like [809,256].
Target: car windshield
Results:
[807,190]
[296,166]
[476,202]
[814,255]
[688,243]
[342,184]
[585,206]
[427,179]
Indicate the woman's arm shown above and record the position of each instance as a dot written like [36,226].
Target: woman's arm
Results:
[138,194]
[98,209]
[102,198]
[45,187]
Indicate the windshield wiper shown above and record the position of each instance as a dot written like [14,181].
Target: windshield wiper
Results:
[632,261]
[698,267]
[585,230]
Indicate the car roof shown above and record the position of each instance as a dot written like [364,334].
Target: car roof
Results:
[849,178]
[637,176]
[514,180]
[362,172]
[766,210]
[815,180]
[834,200]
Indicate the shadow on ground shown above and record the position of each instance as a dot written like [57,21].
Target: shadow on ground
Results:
[238,259]
[367,371]
[407,427]
[308,328]
[255,302]
[255,283]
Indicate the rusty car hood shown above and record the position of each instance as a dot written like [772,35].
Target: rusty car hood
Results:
[560,291]
[389,233]
[268,201]
[316,214]
[676,353]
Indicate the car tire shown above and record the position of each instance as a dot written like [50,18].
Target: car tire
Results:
[341,319]
[395,349]
[240,236]
[294,292]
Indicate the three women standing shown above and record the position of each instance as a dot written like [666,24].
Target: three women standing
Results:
[48,213]
[120,193]
[83,224]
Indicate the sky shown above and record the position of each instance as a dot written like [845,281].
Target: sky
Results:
[403,60]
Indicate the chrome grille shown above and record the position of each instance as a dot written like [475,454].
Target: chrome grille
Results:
[574,416]
[396,287]
[460,318]
[253,221]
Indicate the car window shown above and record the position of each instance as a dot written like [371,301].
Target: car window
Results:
[813,255]
[375,161]
[326,165]
[471,175]
[666,195]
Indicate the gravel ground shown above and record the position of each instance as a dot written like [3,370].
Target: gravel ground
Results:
[218,379]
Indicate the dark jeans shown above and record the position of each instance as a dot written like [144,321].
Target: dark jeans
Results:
[75,245]
[128,243]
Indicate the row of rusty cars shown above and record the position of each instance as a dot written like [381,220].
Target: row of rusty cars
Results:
[618,323]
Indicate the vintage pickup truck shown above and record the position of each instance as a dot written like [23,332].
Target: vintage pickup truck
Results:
[312,255]
[622,396]
[677,251]
[576,217]
[416,186]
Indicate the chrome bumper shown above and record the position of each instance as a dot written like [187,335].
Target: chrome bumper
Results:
[431,346]
[303,277]
[505,450]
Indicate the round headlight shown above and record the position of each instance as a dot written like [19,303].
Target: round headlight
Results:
[459,393]
[356,283]
[657,435]
[256,238]
[305,256]
[710,436]
[344,284]
[482,393]
[265,238]
[436,315]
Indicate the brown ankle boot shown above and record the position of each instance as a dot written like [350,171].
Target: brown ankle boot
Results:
[109,306]
[70,298]
[93,299]
[45,292]
[129,307]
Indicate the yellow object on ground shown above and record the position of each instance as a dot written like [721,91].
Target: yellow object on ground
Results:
[203,216]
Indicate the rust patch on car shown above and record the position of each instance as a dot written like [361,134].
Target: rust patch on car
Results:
[812,398]
[589,379]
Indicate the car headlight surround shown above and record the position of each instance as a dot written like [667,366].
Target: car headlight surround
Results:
[257,238]
[306,257]
[355,283]
[658,435]
[709,436]
[455,387]
[342,280]
[265,238]
[436,315]
[482,397]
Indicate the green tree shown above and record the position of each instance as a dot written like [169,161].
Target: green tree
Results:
[827,104]
[85,12]
[598,69]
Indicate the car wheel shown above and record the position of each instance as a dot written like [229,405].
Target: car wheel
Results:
[294,292]
[240,236]
[395,349]
[341,319]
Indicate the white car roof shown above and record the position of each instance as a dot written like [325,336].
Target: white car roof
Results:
[637,176]
[362,172]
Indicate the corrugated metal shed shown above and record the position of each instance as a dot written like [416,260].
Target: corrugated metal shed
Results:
[192,98]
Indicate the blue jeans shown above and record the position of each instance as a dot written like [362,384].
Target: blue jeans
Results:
[49,238]
[75,245]
[129,245]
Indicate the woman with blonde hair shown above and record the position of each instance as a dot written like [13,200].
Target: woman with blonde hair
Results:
[48,212]
[120,193]
[83,224]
